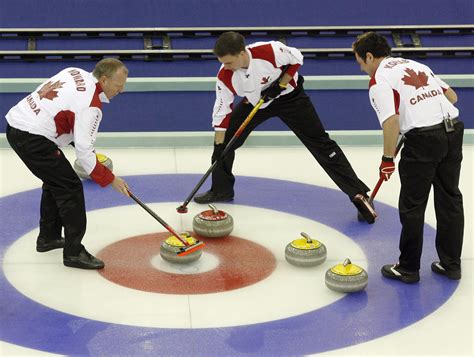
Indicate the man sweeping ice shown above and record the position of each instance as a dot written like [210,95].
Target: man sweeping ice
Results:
[254,72]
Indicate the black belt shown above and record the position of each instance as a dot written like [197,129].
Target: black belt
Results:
[433,127]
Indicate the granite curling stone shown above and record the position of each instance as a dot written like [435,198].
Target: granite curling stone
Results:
[213,223]
[104,160]
[346,277]
[172,246]
[305,252]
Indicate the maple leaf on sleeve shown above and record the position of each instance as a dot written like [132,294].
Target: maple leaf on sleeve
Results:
[415,80]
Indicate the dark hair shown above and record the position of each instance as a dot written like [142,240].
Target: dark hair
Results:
[229,43]
[373,43]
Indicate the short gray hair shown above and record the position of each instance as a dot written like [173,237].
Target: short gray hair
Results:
[108,67]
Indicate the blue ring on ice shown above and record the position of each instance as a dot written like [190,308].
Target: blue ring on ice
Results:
[384,307]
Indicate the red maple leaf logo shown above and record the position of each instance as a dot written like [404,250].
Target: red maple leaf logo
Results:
[48,90]
[415,80]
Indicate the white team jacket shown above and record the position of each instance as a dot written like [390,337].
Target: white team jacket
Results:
[410,89]
[66,108]
[266,61]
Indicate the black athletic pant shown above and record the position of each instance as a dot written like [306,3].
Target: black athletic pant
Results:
[62,201]
[431,158]
[298,113]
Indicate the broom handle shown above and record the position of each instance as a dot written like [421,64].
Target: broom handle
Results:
[379,183]
[229,145]
[155,216]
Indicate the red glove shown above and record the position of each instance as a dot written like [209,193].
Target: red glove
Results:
[387,168]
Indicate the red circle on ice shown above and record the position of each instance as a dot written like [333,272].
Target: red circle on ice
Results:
[241,263]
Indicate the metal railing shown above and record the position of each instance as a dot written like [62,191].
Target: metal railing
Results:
[158,42]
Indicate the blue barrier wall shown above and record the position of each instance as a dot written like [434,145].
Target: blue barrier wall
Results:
[184,13]
[190,111]
[209,68]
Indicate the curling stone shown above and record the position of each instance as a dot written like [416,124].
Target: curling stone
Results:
[172,246]
[213,223]
[104,160]
[346,277]
[305,252]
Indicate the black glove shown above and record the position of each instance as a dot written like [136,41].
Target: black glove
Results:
[273,91]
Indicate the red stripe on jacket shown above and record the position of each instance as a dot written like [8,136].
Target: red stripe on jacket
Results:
[225,76]
[396,99]
[396,95]
[292,69]
[372,82]
[372,79]
[100,174]
[264,52]
[96,102]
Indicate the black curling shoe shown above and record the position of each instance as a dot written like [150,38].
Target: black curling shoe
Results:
[394,271]
[365,208]
[84,260]
[43,245]
[438,268]
[210,197]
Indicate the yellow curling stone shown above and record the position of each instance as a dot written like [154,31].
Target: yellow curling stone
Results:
[213,223]
[172,246]
[104,160]
[305,252]
[346,277]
